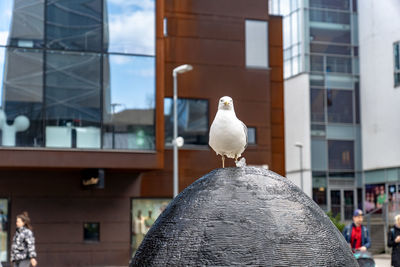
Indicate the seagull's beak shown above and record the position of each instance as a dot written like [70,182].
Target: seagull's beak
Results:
[226,103]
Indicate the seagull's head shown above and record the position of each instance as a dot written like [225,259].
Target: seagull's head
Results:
[226,103]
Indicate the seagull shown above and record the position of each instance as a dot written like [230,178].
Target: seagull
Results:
[228,134]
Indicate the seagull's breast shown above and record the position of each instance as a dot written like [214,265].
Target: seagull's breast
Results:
[227,134]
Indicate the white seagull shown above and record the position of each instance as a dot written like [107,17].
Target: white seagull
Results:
[228,134]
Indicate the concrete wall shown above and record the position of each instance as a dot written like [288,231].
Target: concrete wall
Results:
[297,130]
[379,28]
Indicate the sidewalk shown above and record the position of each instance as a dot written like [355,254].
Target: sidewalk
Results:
[382,260]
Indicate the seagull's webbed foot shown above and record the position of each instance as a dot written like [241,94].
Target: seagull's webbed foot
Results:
[223,161]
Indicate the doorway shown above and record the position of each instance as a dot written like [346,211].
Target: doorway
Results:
[342,201]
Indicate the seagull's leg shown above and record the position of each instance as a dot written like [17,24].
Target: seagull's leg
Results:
[223,161]
[236,159]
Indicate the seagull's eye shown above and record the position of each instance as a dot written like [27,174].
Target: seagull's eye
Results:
[222,100]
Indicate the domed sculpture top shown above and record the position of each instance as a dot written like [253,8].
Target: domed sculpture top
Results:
[243,216]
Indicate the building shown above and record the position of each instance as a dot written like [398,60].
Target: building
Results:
[379,39]
[86,122]
[322,84]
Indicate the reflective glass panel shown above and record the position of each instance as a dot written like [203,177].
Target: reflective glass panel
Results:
[339,64]
[129,102]
[5,20]
[27,23]
[317,105]
[329,16]
[22,97]
[144,213]
[331,4]
[317,63]
[91,232]
[72,100]
[340,106]
[4,226]
[256,43]
[192,120]
[341,155]
[251,135]
[74,24]
[330,49]
[331,36]
[131,26]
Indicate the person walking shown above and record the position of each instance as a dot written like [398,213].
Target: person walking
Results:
[394,241]
[23,252]
[356,234]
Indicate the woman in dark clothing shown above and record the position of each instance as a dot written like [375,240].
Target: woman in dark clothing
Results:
[23,252]
[394,242]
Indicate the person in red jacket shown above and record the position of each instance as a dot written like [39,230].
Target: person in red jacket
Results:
[357,234]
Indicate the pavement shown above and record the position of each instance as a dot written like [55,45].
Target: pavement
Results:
[382,260]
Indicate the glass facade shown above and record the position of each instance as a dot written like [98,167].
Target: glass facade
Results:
[78,74]
[320,38]
[292,39]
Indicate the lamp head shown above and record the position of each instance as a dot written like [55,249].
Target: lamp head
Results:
[182,68]
[298,144]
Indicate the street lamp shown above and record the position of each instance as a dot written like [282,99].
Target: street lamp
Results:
[175,141]
[300,146]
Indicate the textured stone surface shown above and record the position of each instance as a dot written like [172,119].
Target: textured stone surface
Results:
[243,216]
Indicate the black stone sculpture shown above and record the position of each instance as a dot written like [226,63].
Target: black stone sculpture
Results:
[243,216]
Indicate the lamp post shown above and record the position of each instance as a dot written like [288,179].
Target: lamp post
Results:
[178,70]
[300,146]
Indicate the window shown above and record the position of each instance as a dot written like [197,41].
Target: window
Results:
[129,102]
[331,4]
[4,226]
[192,120]
[22,96]
[144,213]
[341,155]
[256,43]
[27,24]
[396,51]
[251,135]
[91,232]
[340,106]
[74,25]
[129,27]
[317,105]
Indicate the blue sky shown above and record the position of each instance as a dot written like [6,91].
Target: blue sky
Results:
[132,81]
[5,18]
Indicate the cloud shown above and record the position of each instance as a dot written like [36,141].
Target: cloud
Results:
[137,4]
[3,37]
[132,32]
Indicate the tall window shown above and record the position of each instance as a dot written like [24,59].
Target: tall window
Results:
[4,226]
[396,51]
[256,44]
